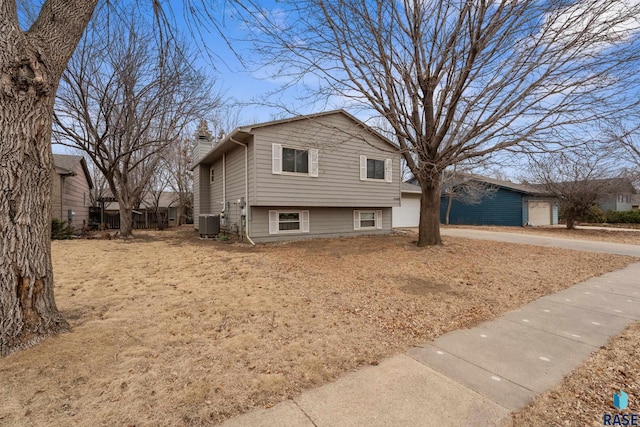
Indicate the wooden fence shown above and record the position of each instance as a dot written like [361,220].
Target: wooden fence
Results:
[142,219]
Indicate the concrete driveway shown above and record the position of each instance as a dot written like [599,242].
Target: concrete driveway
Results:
[554,242]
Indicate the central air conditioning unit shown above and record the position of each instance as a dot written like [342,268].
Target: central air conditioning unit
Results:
[209,225]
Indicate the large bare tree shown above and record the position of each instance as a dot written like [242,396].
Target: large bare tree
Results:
[33,56]
[458,79]
[124,100]
[31,64]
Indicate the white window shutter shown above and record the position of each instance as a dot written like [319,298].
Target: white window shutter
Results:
[379,220]
[276,159]
[304,221]
[313,162]
[388,170]
[363,168]
[273,222]
[356,220]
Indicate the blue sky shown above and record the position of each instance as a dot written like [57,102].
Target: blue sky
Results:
[243,83]
[239,83]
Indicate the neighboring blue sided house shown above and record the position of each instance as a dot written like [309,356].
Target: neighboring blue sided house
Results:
[509,204]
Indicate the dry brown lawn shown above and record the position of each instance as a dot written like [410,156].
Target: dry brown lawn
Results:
[611,234]
[172,330]
[587,394]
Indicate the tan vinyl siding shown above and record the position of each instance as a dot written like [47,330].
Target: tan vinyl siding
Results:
[340,142]
[196,197]
[235,186]
[76,196]
[216,205]
[323,222]
[205,190]
[70,192]
[56,198]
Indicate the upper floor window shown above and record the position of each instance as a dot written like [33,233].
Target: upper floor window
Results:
[294,160]
[211,175]
[376,169]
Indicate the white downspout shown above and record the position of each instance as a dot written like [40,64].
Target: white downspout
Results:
[224,182]
[246,185]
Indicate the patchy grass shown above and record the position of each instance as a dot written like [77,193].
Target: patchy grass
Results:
[172,330]
[610,234]
[586,394]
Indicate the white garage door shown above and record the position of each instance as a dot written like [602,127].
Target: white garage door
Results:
[539,213]
[408,214]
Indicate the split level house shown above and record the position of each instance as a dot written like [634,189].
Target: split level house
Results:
[319,175]
[70,192]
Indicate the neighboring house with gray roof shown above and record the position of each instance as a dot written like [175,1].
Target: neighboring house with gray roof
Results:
[319,175]
[504,203]
[71,186]
[619,194]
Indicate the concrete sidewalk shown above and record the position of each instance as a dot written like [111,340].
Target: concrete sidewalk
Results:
[473,376]
[548,241]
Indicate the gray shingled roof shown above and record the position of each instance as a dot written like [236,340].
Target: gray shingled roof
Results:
[66,162]
[410,187]
[521,188]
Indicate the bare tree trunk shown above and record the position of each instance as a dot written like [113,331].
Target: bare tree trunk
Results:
[449,204]
[571,223]
[160,225]
[180,215]
[429,226]
[31,64]
[126,221]
[28,311]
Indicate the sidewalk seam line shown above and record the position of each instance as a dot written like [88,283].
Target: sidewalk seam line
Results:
[596,310]
[466,386]
[557,335]
[305,413]
[469,362]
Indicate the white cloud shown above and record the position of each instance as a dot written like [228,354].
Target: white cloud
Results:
[592,26]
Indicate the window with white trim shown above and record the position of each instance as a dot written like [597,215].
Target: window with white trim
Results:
[294,160]
[211,175]
[375,169]
[367,220]
[283,222]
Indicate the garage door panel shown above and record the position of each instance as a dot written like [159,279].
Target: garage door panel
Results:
[539,213]
[408,213]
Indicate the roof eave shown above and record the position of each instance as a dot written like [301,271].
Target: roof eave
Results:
[223,146]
